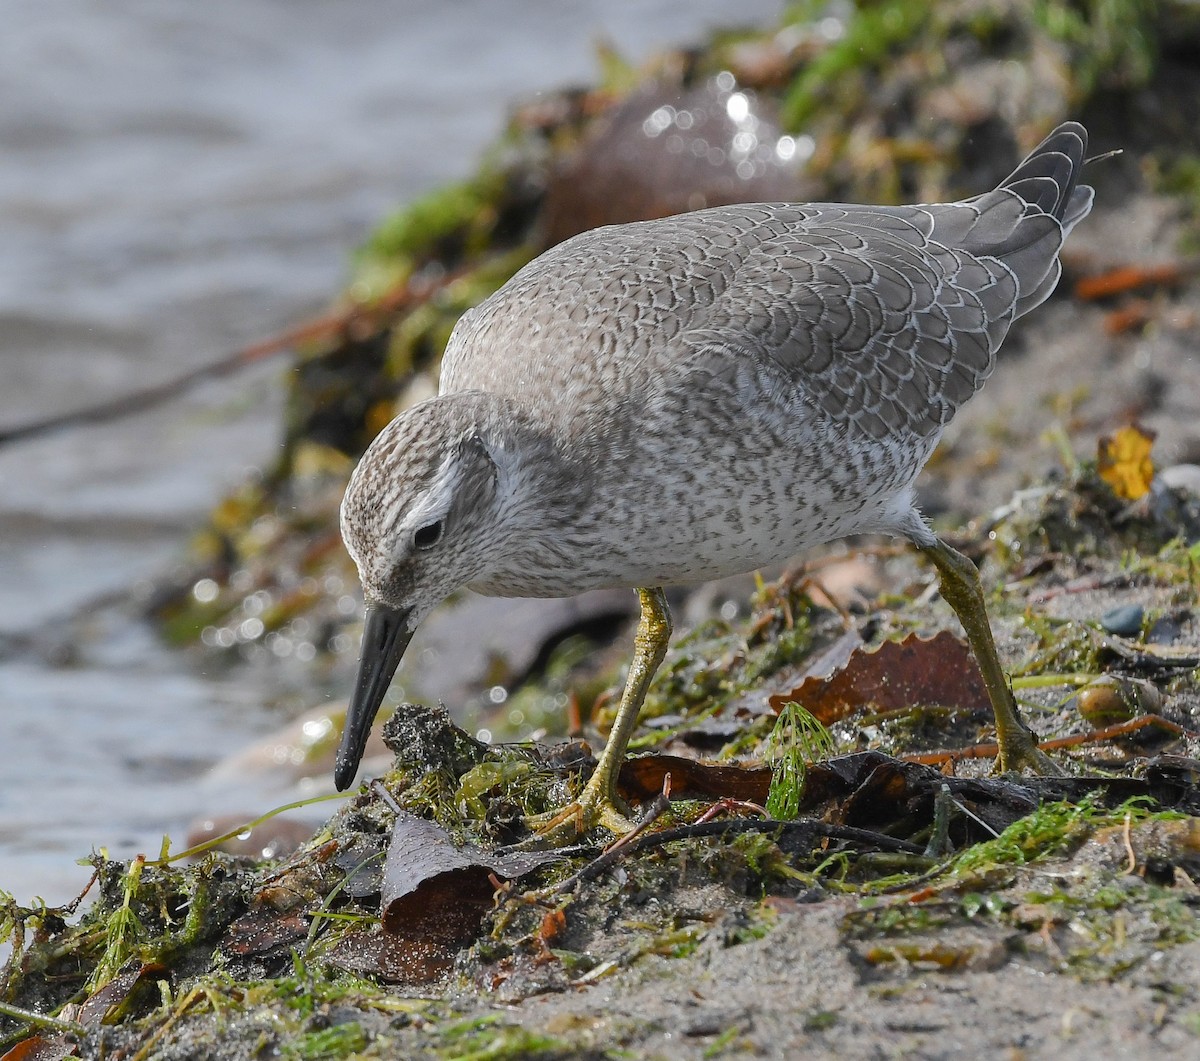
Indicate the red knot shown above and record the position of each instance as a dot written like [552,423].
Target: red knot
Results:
[697,396]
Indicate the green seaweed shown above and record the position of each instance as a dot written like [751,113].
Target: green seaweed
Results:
[449,222]
[493,1037]
[797,740]
[873,32]
[326,1044]
[1113,43]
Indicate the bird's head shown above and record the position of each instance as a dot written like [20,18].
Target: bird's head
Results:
[420,518]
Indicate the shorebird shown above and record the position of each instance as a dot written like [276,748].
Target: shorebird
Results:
[697,396]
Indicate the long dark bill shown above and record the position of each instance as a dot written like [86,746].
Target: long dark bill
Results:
[385,637]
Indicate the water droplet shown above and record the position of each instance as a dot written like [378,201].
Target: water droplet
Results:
[832,29]
[256,603]
[317,728]
[744,143]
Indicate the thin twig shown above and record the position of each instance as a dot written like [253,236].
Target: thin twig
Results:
[41,1020]
[991,750]
[1125,835]
[140,401]
[650,813]
[732,827]
[728,803]
[328,326]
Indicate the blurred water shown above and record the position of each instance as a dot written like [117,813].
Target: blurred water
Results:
[177,180]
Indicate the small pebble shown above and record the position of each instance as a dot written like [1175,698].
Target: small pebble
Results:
[1125,621]
[1168,629]
[1182,477]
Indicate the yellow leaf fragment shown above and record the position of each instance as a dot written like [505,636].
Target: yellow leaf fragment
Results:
[1123,461]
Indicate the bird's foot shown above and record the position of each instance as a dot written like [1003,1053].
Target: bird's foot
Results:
[594,807]
[598,805]
[1019,751]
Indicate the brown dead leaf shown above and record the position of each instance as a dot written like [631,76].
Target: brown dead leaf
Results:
[1123,461]
[101,1004]
[642,778]
[435,891]
[381,955]
[1128,278]
[264,930]
[877,792]
[936,671]
[553,925]
[41,1048]
[98,1008]
[1126,318]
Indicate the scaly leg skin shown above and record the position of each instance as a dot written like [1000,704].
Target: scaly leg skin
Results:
[598,803]
[959,585]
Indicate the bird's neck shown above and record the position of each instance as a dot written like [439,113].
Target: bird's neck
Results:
[541,491]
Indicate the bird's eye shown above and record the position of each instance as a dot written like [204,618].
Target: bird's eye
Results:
[428,536]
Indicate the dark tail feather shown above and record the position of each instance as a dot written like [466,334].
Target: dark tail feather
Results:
[1048,177]
[1048,183]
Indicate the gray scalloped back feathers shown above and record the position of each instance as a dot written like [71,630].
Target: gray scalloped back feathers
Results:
[707,393]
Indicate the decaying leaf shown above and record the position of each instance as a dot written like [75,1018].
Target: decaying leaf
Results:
[398,959]
[1126,318]
[264,931]
[553,925]
[41,1048]
[641,778]
[1123,461]
[887,794]
[101,1006]
[1129,278]
[936,671]
[435,891]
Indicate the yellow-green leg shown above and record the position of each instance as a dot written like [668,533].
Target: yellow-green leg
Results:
[959,584]
[598,803]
